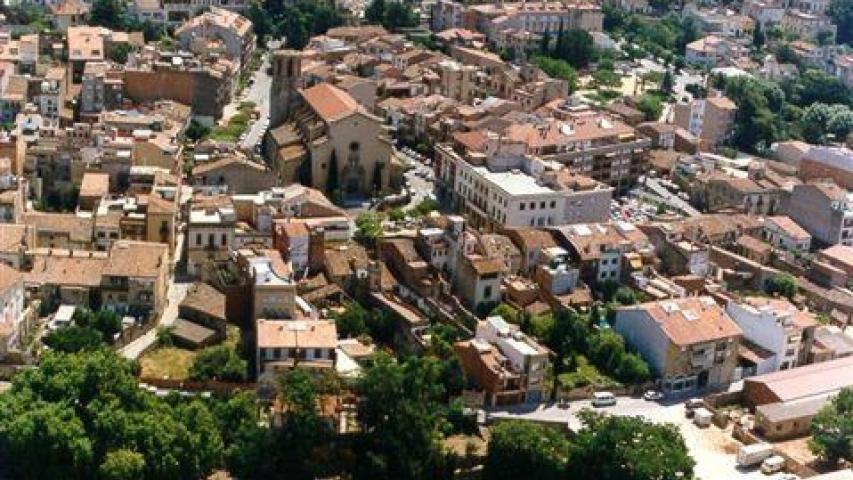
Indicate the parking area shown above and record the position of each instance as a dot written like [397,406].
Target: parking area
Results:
[714,450]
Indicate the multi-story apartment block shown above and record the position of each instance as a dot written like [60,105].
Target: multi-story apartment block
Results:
[205,85]
[51,96]
[210,232]
[135,278]
[776,326]
[712,50]
[689,343]
[13,324]
[824,210]
[446,14]
[219,30]
[808,25]
[496,198]
[710,119]
[537,17]
[102,90]
[506,364]
[834,163]
[606,252]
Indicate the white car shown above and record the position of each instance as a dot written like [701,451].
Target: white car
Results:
[653,395]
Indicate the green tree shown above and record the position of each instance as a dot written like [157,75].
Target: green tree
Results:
[196,131]
[575,47]
[832,429]
[607,78]
[841,12]
[122,464]
[667,82]
[375,12]
[617,447]
[332,178]
[525,450]
[47,440]
[651,107]
[220,362]
[352,321]
[369,226]
[120,52]
[758,37]
[73,338]
[107,13]
[625,296]
[784,284]
[62,418]
[557,68]
[401,416]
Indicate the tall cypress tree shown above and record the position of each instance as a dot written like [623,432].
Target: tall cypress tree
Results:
[332,177]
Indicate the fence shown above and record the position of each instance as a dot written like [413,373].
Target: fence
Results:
[199,386]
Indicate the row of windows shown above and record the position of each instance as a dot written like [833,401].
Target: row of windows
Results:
[553,204]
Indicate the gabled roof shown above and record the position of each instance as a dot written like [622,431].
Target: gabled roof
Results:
[330,102]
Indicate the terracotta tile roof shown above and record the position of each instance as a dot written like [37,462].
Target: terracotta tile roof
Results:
[95,184]
[69,7]
[296,334]
[485,266]
[191,331]
[136,259]
[12,237]
[206,299]
[8,277]
[839,253]
[753,244]
[688,321]
[823,378]
[473,141]
[79,229]
[790,227]
[782,307]
[330,102]
[226,162]
[76,271]
[530,238]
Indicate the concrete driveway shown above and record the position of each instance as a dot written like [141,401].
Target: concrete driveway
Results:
[714,450]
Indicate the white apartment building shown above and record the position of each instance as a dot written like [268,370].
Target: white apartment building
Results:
[495,199]
[525,355]
[777,326]
[784,233]
[210,235]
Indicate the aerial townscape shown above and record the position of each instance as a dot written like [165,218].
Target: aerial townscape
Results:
[426,239]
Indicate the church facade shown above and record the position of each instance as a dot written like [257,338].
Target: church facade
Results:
[346,150]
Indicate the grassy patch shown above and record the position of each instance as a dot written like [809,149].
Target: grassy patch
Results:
[170,362]
[586,374]
[235,127]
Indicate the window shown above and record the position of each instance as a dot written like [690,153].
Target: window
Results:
[487,291]
[553,204]
[198,239]
[521,207]
[224,239]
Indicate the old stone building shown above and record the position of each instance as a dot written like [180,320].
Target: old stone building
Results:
[346,150]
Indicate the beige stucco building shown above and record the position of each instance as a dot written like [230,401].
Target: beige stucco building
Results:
[337,132]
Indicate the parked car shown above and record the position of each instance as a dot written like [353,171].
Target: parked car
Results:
[653,395]
[773,464]
[603,399]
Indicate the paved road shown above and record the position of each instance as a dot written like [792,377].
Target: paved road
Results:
[177,292]
[674,200]
[711,448]
[418,180]
[259,93]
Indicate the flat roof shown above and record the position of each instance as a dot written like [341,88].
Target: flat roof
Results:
[514,182]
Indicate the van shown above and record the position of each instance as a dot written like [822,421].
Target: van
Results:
[773,464]
[603,399]
[753,454]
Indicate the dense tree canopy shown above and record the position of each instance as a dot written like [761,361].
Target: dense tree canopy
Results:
[82,415]
[391,14]
[220,362]
[296,21]
[526,450]
[841,12]
[832,428]
[628,447]
[401,414]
